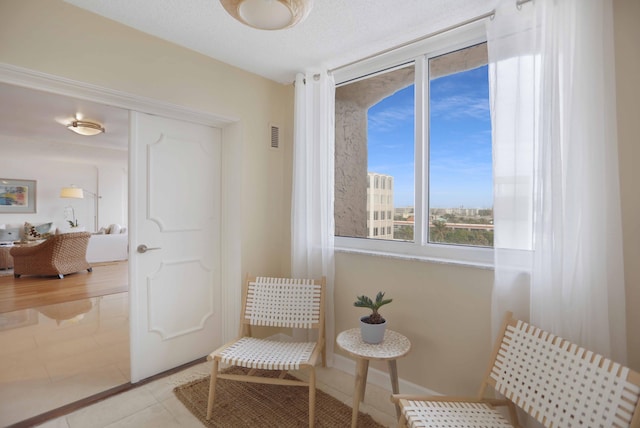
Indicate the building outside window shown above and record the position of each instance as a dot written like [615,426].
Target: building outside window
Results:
[380,200]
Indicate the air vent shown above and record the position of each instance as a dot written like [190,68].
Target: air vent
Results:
[275,136]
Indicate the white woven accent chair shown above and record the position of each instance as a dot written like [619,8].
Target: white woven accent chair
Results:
[551,379]
[275,303]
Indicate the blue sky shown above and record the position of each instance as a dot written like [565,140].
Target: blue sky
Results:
[460,141]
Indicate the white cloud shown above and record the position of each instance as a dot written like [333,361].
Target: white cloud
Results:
[460,106]
[391,118]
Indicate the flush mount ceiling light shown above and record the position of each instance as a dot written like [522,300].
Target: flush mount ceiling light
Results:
[268,14]
[84,127]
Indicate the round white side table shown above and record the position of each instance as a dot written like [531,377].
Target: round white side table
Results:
[393,346]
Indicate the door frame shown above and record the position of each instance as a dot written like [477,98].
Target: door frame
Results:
[231,173]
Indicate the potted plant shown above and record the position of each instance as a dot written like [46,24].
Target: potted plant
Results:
[372,326]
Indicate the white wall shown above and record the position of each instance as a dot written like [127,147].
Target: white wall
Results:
[25,159]
[113,191]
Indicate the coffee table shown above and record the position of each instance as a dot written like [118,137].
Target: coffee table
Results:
[393,346]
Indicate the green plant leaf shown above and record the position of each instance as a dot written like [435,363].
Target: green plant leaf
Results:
[366,302]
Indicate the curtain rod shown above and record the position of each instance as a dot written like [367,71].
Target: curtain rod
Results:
[419,39]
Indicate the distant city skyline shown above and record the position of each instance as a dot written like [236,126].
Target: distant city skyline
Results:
[460,141]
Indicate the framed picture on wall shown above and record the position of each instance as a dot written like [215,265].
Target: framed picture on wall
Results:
[17,196]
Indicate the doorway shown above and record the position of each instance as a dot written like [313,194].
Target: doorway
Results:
[64,340]
[231,171]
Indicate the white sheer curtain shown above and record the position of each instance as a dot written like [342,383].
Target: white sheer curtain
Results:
[513,89]
[557,208]
[312,222]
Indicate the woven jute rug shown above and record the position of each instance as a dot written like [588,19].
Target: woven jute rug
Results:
[246,404]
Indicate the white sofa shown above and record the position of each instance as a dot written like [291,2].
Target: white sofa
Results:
[108,247]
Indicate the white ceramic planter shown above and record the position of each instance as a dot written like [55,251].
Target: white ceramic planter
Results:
[372,333]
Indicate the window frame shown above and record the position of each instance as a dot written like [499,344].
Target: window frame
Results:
[419,53]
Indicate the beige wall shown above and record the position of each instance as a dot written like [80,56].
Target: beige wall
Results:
[627,36]
[59,39]
[444,309]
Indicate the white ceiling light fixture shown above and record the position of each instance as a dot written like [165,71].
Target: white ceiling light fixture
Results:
[84,127]
[268,14]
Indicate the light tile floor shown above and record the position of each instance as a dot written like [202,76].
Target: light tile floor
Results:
[154,405]
[57,354]
[46,363]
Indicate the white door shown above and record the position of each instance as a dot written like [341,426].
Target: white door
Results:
[175,212]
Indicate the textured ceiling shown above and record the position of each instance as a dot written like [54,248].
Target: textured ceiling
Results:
[336,32]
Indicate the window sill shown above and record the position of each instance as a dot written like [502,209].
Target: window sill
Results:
[482,259]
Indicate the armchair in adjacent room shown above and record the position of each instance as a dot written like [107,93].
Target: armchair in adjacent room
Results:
[58,255]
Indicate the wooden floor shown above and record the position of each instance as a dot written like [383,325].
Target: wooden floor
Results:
[32,291]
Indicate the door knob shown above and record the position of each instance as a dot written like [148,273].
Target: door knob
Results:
[143,248]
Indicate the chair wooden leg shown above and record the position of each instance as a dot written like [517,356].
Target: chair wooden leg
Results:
[402,422]
[212,388]
[312,397]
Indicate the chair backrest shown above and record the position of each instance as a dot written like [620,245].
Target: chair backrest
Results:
[561,384]
[284,302]
[70,244]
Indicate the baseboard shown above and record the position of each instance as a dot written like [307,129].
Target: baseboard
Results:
[380,378]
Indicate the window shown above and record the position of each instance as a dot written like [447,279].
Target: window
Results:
[460,171]
[425,157]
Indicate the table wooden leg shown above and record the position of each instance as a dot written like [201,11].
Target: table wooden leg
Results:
[393,374]
[358,393]
[365,374]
